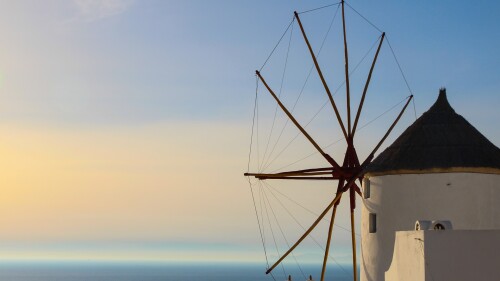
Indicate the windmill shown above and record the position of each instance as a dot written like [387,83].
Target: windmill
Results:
[350,171]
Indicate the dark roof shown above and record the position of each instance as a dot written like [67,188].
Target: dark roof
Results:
[440,140]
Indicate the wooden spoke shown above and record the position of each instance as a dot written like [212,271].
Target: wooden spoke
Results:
[308,174]
[352,158]
[352,196]
[347,85]
[308,170]
[352,180]
[335,201]
[327,89]
[357,189]
[366,85]
[326,156]
[274,177]
[332,220]
[262,175]
[304,174]
[349,184]
[370,157]
[315,223]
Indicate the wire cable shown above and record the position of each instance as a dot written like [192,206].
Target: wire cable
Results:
[260,229]
[310,235]
[303,86]
[283,233]
[272,234]
[262,214]
[319,8]
[414,108]
[399,66]
[323,106]
[372,24]
[279,95]
[338,140]
[305,208]
[277,44]
[253,124]
[260,197]
[249,182]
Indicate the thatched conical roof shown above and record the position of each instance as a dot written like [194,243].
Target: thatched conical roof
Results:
[439,141]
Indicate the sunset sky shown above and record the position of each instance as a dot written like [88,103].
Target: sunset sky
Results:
[125,125]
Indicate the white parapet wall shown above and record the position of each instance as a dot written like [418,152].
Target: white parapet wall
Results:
[458,255]
[470,201]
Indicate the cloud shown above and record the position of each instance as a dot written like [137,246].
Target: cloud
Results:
[98,9]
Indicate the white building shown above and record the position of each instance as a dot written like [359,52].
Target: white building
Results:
[440,168]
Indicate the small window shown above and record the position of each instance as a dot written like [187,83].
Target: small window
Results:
[373,223]
[366,188]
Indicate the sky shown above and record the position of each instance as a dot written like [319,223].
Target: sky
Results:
[125,125]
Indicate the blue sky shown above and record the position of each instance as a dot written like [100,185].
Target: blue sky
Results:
[152,100]
[152,61]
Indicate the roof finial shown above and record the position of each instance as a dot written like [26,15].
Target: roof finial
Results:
[442,91]
[442,103]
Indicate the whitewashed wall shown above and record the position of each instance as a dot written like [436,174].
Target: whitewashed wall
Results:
[458,255]
[468,200]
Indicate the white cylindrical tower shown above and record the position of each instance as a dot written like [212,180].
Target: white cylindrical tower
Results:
[440,168]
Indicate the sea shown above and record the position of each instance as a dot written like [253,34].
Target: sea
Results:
[141,271]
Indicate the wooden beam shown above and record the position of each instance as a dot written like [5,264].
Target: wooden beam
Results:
[357,189]
[321,216]
[311,140]
[335,200]
[347,85]
[325,85]
[308,170]
[366,85]
[295,178]
[305,172]
[260,175]
[329,238]
[352,196]
[359,173]
[388,131]
[315,223]
[345,173]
